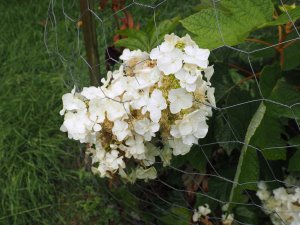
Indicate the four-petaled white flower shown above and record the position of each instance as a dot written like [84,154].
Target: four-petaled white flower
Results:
[187,80]
[146,128]
[97,110]
[197,56]
[156,104]
[77,125]
[179,99]
[192,127]
[179,148]
[92,93]
[120,129]
[71,102]
[168,61]
[115,109]
[135,147]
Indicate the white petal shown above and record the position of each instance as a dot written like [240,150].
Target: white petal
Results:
[155,115]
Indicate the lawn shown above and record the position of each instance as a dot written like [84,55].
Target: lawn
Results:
[43,178]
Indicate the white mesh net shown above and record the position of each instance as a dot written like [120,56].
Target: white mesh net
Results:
[204,177]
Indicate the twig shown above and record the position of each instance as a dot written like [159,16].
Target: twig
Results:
[259,41]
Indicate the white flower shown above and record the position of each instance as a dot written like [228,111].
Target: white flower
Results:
[115,110]
[156,103]
[179,99]
[202,211]
[133,60]
[108,162]
[138,99]
[227,219]
[196,216]
[209,71]
[204,96]
[117,86]
[105,82]
[262,185]
[97,109]
[211,96]
[72,102]
[192,127]
[120,129]
[187,41]
[77,125]
[98,153]
[169,62]
[113,160]
[170,41]
[179,148]
[282,206]
[146,128]
[146,174]
[196,55]
[145,76]
[92,92]
[135,147]
[187,80]
[136,55]
[151,152]
[263,194]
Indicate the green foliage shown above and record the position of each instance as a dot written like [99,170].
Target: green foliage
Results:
[148,38]
[248,167]
[228,23]
[291,56]
[294,14]
[183,216]
[266,119]
[231,21]
[294,165]
[41,180]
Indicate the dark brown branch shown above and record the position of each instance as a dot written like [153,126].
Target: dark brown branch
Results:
[90,41]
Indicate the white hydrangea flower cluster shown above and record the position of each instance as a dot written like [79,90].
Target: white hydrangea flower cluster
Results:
[154,106]
[201,215]
[282,204]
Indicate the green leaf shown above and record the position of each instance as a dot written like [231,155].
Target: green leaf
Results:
[177,212]
[284,18]
[268,79]
[270,124]
[292,56]
[149,37]
[269,144]
[282,97]
[294,162]
[232,20]
[163,28]
[248,167]
[218,188]
[136,39]
[237,119]
[246,214]
[197,158]
[221,81]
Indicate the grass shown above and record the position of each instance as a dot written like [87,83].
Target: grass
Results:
[42,178]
